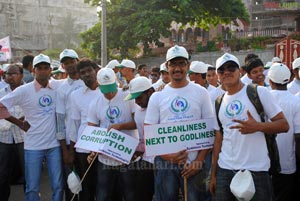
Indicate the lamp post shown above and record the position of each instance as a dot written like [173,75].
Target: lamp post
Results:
[103,34]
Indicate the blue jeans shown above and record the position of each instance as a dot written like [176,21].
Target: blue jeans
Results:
[262,183]
[33,168]
[168,181]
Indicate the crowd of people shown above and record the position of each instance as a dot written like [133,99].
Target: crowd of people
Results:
[44,112]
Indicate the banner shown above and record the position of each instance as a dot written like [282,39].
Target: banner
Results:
[2,56]
[113,143]
[170,138]
[5,47]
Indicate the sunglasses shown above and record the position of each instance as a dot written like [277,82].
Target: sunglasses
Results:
[230,68]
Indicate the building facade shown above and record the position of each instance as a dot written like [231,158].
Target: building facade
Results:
[36,25]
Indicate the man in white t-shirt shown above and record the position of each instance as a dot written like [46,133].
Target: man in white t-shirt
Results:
[294,86]
[284,183]
[80,100]
[164,78]
[109,110]
[255,71]
[68,59]
[197,74]
[37,99]
[141,89]
[242,145]
[180,100]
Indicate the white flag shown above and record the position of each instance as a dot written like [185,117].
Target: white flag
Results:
[5,47]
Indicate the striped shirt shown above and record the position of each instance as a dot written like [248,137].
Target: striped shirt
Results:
[10,133]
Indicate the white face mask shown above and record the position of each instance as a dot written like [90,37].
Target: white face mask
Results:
[74,183]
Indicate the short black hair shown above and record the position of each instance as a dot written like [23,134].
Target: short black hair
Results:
[16,65]
[141,66]
[253,63]
[26,60]
[249,57]
[84,62]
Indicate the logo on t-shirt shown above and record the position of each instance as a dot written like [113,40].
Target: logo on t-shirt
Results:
[45,101]
[234,109]
[179,105]
[113,113]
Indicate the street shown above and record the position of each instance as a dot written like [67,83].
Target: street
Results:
[17,193]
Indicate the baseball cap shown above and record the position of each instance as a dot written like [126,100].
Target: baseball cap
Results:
[74,183]
[106,78]
[226,58]
[198,67]
[68,53]
[296,63]
[112,64]
[276,59]
[279,73]
[59,70]
[268,65]
[163,67]
[126,63]
[41,58]
[137,86]
[242,185]
[176,51]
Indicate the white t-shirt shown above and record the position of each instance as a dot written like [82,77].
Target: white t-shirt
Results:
[80,101]
[214,94]
[286,141]
[106,112]
[63,101]
[188,103]
[294,86]
[39,110]
[139,117]
[244,151]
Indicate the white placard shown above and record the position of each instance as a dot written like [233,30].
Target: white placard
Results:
[113,143]
[173,137]
[5,47]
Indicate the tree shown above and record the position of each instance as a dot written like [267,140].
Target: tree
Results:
[130,22]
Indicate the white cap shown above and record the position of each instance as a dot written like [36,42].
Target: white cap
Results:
[296,63]
[176,51]
[279,73]
[163,67]
[242,185]
[106,78]
[268,64]
[225,58]
[137,86]
[5,67]
[126,63]
[68,53]
[40,59]
[112,64]
[276,59]
[74,183]
[198,67]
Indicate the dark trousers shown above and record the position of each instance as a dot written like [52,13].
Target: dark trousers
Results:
[284,186]
[112,180]
[145,186]
[88,192]
[8,153]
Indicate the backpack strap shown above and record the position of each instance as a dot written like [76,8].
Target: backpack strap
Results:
[217,107]
[254,98]
[270,139]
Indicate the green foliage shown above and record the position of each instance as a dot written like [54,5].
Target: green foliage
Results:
[130,22]
[211,47]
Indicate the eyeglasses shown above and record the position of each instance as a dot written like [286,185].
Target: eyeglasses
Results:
[180,64]
[12,74]
[154,76]
[230,68]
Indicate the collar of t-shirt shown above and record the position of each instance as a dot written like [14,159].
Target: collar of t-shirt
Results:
[38,86]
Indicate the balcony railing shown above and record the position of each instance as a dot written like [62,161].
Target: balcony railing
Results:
[269,32]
